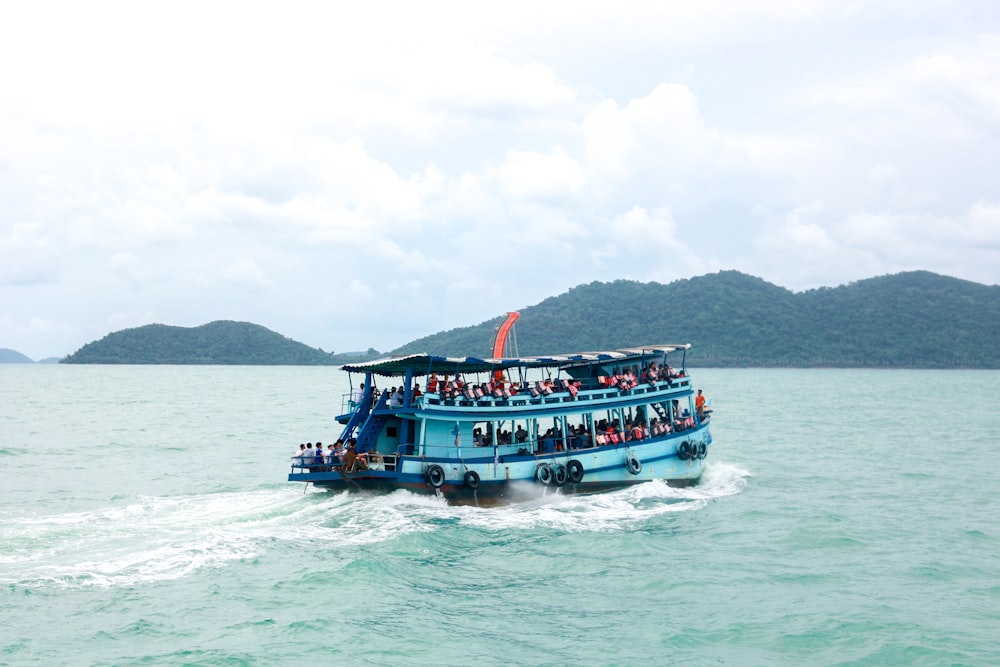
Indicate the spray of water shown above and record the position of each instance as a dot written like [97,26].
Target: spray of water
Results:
[148,539]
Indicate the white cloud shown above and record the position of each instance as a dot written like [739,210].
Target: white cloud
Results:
[27,256]
[534,175]
[246,273]
[395,169]
[129,267]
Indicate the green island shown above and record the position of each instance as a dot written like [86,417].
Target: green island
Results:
[915,319]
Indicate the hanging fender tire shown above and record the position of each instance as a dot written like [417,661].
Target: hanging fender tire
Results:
[543,474]
[684,451]
[574,470]
[633,465]
[559,474]
[435,475]
[702,450]
[472,479]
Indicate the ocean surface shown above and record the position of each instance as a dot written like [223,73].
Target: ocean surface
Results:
[848,517]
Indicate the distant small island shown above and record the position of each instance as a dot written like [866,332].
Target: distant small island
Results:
[222,342]
[916,319]
[8,356]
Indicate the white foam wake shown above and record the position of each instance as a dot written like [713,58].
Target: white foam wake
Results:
[149,539]
[159,538]
[403,512]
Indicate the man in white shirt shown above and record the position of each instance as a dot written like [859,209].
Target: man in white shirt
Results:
[357,395]
[297,456]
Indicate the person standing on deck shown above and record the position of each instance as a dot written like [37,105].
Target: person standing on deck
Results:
[699,405]
[358,395]
[299,455]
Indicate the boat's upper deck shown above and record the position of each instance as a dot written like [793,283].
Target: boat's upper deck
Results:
[577,364]
[568,382]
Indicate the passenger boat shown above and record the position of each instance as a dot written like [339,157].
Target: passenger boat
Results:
[507,428]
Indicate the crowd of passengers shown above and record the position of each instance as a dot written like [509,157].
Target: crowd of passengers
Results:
[344,457]
[579,437]
[456,388]
[340,457]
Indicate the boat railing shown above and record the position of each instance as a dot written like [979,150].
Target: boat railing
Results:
[374,461]
[561,444]
[526,398]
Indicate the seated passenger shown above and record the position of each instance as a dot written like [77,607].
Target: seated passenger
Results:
[576,441]
[352,460]
[629,378]
[432,383]
[548,443]
[349,459]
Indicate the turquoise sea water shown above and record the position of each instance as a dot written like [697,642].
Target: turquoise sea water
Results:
[848,517]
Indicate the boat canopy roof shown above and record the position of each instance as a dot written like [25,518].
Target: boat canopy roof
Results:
[426,363]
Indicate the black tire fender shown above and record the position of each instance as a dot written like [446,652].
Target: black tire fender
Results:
[559,474]
[543,474]
[684,451]
[633,465]
[435,475]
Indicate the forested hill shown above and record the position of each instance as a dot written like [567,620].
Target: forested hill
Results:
[221,342]
[915,319]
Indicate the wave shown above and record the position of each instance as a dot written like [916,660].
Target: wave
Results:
[614,511]
[149,539]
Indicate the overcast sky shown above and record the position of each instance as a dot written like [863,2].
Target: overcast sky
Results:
[364,176]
